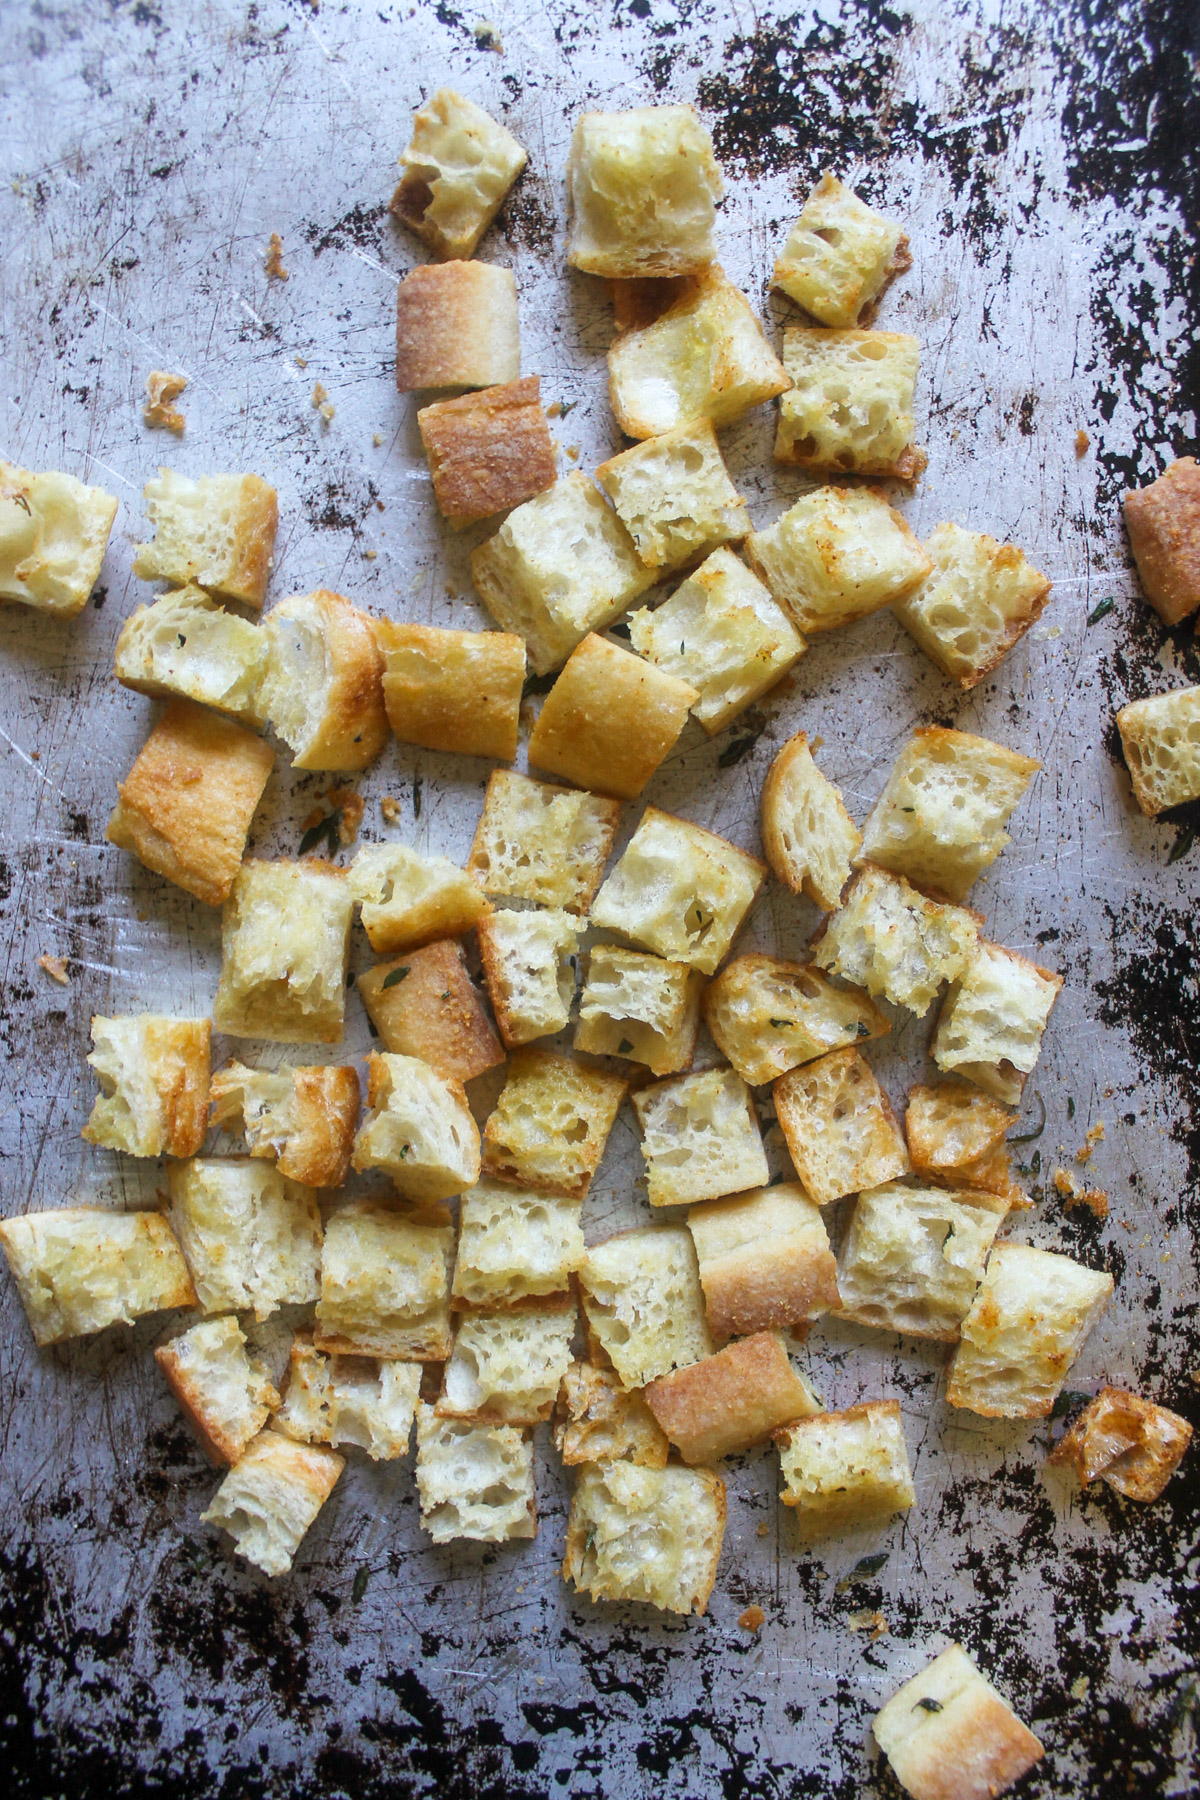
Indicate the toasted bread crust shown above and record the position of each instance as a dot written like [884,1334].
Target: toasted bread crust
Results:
[434,1011]
[1163,522]
[733,1399]
[456,326]
[488,451]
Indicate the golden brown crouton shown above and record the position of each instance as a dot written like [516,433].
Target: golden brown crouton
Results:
[841,1132]
[730,1400]
[551,1123]
[456,326]
[609,720]
[765,1261]
[425,1004]
[1163,522]
[1126,1441]
[488,451]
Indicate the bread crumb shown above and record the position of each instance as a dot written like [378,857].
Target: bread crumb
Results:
[301,362]
[391,810]
[320,399]
[351,806]
[573,452]
[377,439]
[274,263]
[55,967]
[753,1619]
[1082,443]
[1093,1136]
[157,411]
[370,555]
[487,37]
[312,819]
[872,1622]
[554,409]
[764,1530]
[449,590]
[1075,1194]
[1079,1687]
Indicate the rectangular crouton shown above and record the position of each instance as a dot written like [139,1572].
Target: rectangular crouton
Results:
[642,188]
[458,166]
[53,535]
[956,1136]
[609,720]
[1161,740]
[79,1269]
[218,532]
[674,496]
[990,1027]
[644,1303]
[408,898]
[1163,522]
[844,1469]
[529,967]
[598,1421]
[836,555]
[426,1005]
[488,451]
[301,1119]
[285,946]
[188,645]
[551,1123]
[679,890]
[514,1245]
[474,1481]
[849,410]
[453,690]
[542,843]
[323,690]
[896,942]
[153,1075]
[1027,1324]
[700,1138]
[638,1006]
[948,1735]
[731,1400]
[841,1132]
[839,255]
[1132,1444]
[250,1237]
[352,1400]
[456,327]
[769,1016]
[225,1396]
[506,1367]
[650,1535]
[978,600]
[418,1129]
[810,839]
[271,1496]
[912,1258]
[385,1283]
[765,1261]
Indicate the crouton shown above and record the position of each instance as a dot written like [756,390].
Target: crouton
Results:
[349,1400]
[456,327]
[418,1129]
[301,1119]
[408,898]
[836,555]
[453,690]
[250,1238]
[79,1269]
[1132,1444]
[651,1535]
[640,299]
[609,720]
[529,967]
[1161,740]
[978,600]
[598,1421]
[949,1735]
[679,890]
[551,1123]
[323,691]
[700,1138]
[225,1396]
[474,1481]
[285,944]
[641,1007]
[733,1399]
[458,167]
[810,839]
[153,1075]
[769,1016]
[53,536]
[218,532]
[849,410]
[841,1132]
[839,255]
[956,1136]
[186,644]
[514,1245]
[644,1303]
[896,942]
[427,1006]
[385,1282]
[1163,522]
[765,1262]
[1027,1324]
[642,188]
[271,1496]
[542,843]
[992,1020]
[488,451]
[163,388]
[506,1367]
[674,496]
[843,1469]
[912,1258]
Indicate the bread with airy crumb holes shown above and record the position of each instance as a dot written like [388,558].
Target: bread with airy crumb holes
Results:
[285,945]
[836,555]
[458,166]
[515,1245]
[978,600]
[456,327]
[506,1367]
[323,691]
[187,644]
[765,1261]
[418,1129]
[1132,1444]
[271,1496]
[911,1258]
[948,1735]
[218,532]
[639,1006]
[769,1016]
[529,967]
[843,1469]
[409,898]
[385,1282]
[153,1075]
[642,188]
[550,1125]
[609,720]
[810,839]
[849,410]
[1027,1324]
[488,450]
[79,1269]
[301,1119]
[839,1125]
[1163,522]
[53,535]
[674,497]
[596,1420]
[700,1137]
[896,942]
[542,843]
[474,1481]
[225,1396]
[426,1005]
[1161,741]
[353,1400]
[251,1238]
[649,1535]
[992,1021]
[453,690]
[839,255]
[733,1399]
[644,1303]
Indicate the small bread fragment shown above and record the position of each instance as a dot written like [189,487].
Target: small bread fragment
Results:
[285,946]
[644,1303]
[609,720]
[1163,522]
[1027,1324]
[385,1282]
[551,1123]
[218,532]
[765,1261]
[674,497]
[418,1129]
[839,255]
[836,555]
[271,1496]
[529,967]
[456,327]
[474,1481]
[949,1735]
[1132,1444]
[956,1136]
[488,451]
[979,599]
[323,691]
[251,1238]
[515,1245]
[841,1131]
[349,1400]
[642,1007]
[79,1269]
[849,410]
[426,1005]
[1161,740]
[769,1016]
[599,1421]
[896,942]
[642,188]
[162,388]
[506,1367]
[187,644]
[153,1075]
[912,1258]
[542,843]
[53,535]
[453,690]
[992,1020]
[185,807]
[700,1138]
[843,1469]
[733,1399]
[409,898]
[679,890]
[810,839]
[301,1119]
[651,1535]
[458,166]
[225,1396]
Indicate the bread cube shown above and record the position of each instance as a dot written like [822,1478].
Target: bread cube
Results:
[458,167]
[560,566]
[153,1075]
[551,1123]
[323,691]
[956,1136]
[456,327]
[514,1245]
[836,555]
[977,601]
[705,357]
[426,1005]
[948,1734]
[1163,522]
[1161,740]
[474,1481]
[674,496]
[991,1023]
[385,1283]
[418,1129]
[769,1016]
[349,1400]
[506,1367]
[186,644]
[453,690]
[53,535]
[845,1469]
[250,1237]
[642,188]
[529,967]
[721,631]
[641,1007]
[839,255]
[644,1303]
[185,807]
[225,1396]
[841,1132]
[598,1421]
[651,1535]
[1126,1441]
[700,1138]
[679,890]
[1027,1324]
[609,720]
[765,1262]
[285,945]
[896,942]
[408,898]
[271,1496]
[849,410]
[218,532]
[301,1119]
[733,1399]
[488,451]
[78,1269]
[912,1258]
[810,839]
[542,843]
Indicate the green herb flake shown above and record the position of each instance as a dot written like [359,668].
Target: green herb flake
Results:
[928,1705]
[325,831]
[1182,844]
[392,977]
[539,684]
[416,797]
[1068,1402]
[624,1047]
[566,406]
[361,1578]
[1027,1137]
[1102,611]
[782,1024]
[446,995]
[864,1030]
[865,1569]
[1070,1106]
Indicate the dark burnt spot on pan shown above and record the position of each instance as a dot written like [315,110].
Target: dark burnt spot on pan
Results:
[361,226]
[527,216]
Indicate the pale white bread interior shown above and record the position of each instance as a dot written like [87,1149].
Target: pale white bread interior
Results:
[187,644]
[721,632]
[644,1303]
[639,1006]
[1031,1313]
[285,947]
[1161,739]
[896,942]
[700,1138]
[991,1023]
[302,1119]
[349,1400]
[836,555]
[809,838]
[642,188]
[458,166]
[1130,1443]
[839,255]
[849,410]
[551,1122]
[217,531]
[419,1129]
[53,535]
[610,719]
[842,1469]
[251,1238]
[385,1282]
[529,969]
[674,497]
[407,897]
[769,1016]
[323,688]
[271,1496]
[153,1075]
[948,1734]
[765,1262]
[225,1395]
[79,1268]
[542,843]
[679,890]
[733,1399]
[474,1481]
[651,1535]
[597,1420]
[911,1258]
[505,1367]
[515,1245]
[841,1132]
[979,598]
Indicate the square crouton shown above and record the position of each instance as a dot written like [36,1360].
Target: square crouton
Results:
[542,843]
[529,967]
[474,1481]
[551,1123]
[301,1119]
[642,188]
[271,1496]
[418,1129]
[674,496]
[185,807]
[722,632]
[990,1027]
[641,1007]
[912,1258]
[650,1535]
[1027,1324]
[599,1421]
[349,1400]
[250,1237]
[609,720]
[153,1075]
[218,532]
[841,1132]
[733,1399]
[1161,740]
[225,1396]
[700,1138]
[53,535]
[849,410]
[845,1469]
[836,555]
[769,1016]
[323,691]
[409,899]
[705,357]
[644,1303]
[427,1006]
[948,1734]
[458,167]
[1132,1444]
[956,1136]
[488,451]
[839,255]
[940,819]
[896,942]
[679,890]
[506,1367]
[560,566]
[979,599]
[78,1269]
[765,1261]
[385,1283]
[188,645]
[810,839]
[514,1245]
[1163,522]
[453,690]
[285,945]
[456,327]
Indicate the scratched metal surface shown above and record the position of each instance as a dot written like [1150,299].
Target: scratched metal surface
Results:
[1044,159]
